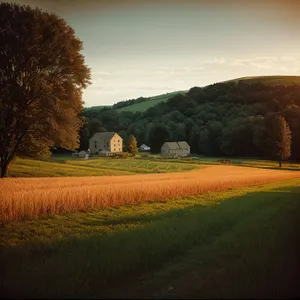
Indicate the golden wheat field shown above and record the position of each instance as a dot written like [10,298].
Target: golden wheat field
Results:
[28,198]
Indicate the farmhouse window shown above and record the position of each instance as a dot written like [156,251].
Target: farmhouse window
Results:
[95,144]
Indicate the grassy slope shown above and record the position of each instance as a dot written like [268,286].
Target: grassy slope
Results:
[58,166]
[271,80]
[238,243]
[92,108]
[151,101]
[93,167]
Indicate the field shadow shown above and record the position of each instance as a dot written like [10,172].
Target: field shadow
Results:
[144,218]
[84,266]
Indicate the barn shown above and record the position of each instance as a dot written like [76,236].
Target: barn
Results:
[181,149]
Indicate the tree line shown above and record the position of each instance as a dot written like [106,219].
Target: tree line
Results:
[223,119]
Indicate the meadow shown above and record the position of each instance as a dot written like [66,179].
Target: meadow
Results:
[58,166]
[65,165]
[28,198]
[236,243]
[148,102]
[149,227]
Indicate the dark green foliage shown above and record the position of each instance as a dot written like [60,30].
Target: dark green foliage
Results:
[158,134]
[279,140]
[224,119]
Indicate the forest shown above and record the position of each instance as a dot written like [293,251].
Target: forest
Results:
[224,119]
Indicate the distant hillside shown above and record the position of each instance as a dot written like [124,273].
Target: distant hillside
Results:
[232,118]
[95,108]
[270,80]
[142,104]
[134,105]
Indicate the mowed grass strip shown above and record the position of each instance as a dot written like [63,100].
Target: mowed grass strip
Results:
[37,168]
[101,254]
[135,165]
[60,166]
[29,198]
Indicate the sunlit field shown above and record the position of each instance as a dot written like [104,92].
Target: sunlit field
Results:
[58,166]
[65,165]
[27,198]
[239,243]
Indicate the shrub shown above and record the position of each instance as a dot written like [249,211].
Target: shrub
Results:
[122,155]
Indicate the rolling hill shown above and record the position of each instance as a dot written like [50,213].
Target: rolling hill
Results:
[148,102]
[270,80]
[95,108]
[221,119]
[141,105]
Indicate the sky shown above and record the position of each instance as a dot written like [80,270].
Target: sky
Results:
[146,48]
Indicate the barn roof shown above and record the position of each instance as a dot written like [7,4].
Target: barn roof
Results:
[177,145]
[107,136]
[183,144]
[144,146]
[172,145]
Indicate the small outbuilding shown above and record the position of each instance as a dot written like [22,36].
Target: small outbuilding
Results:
[144,148]
[181,149]
[104,152]
[81,154]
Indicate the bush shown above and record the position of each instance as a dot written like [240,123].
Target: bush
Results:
[224,161]
[122,155]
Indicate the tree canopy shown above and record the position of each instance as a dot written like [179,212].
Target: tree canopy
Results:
[223,119]
[42,75]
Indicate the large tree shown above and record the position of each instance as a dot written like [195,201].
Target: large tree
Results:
[279,141]
[42,75]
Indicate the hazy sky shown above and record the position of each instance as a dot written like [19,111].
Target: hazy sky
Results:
[146,48]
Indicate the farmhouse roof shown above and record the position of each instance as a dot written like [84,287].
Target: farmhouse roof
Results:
[183,144]
[144,146]
[177,145]
[107,136]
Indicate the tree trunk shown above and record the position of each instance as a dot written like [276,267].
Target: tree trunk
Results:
[3,168]
[280,164]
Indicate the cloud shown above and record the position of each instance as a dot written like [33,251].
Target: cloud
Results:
[216,61]
[288,58]
[260,65]
[245,61]
[101,73]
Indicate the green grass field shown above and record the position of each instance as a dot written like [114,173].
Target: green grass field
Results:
[237,243]
[67,166]
[151,101]
[96,108]
[57,166]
